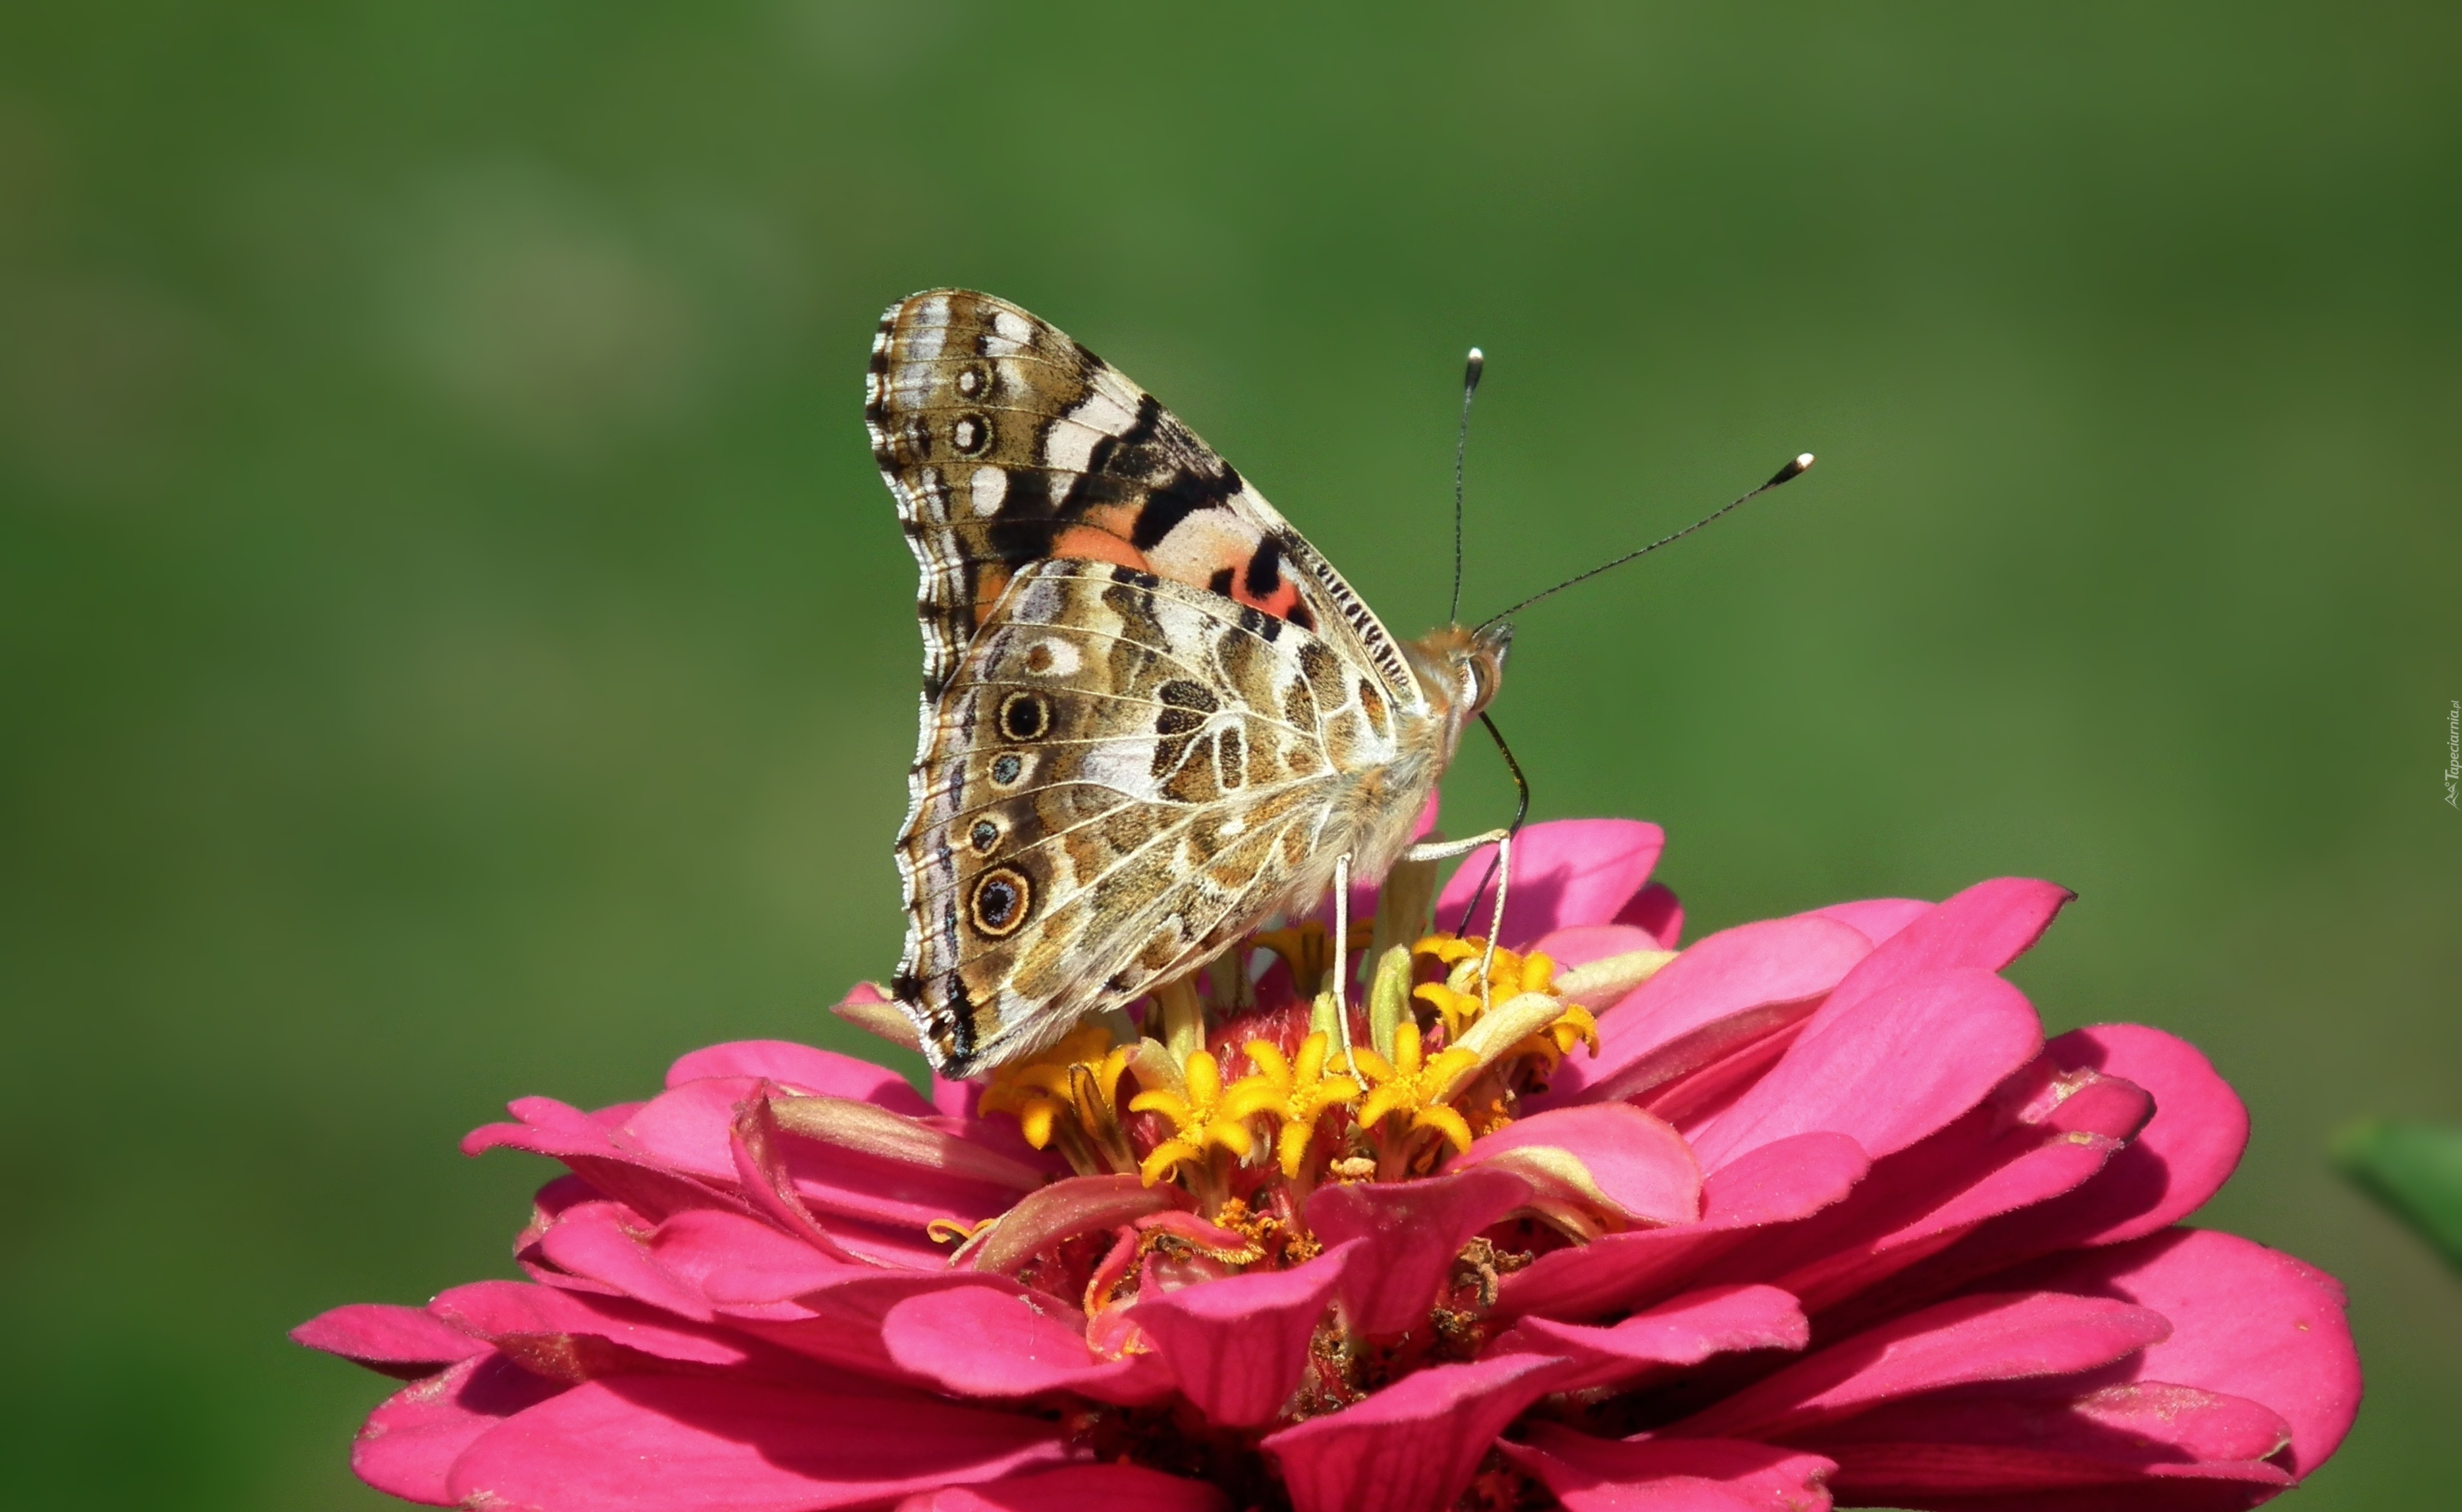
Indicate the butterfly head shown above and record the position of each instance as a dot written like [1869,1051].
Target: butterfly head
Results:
[1461,669]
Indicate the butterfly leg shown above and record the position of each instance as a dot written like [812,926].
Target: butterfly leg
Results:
[1445,850]
[1342,957]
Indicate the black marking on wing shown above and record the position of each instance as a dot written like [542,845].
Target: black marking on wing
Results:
[960,1016]
[1183,494]
[1096,481]
[1264,571]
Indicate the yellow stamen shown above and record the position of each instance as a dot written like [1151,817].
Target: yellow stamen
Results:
[1416,1089]
[1302,1094]
[949,1230]
[1458,1010]
[1039,1091]
[1204,1116]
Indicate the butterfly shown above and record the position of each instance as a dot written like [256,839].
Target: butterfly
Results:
[1153,716]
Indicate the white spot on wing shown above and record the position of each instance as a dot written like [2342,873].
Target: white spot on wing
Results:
[1069,447]
[1011,335]
[1064,657]
[929,328]
[1108,413]
[1125,767]
[990,485]
[1203,543]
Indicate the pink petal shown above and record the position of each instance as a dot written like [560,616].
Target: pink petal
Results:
[974,1341]
[1076,1488]
[2127,1427]
[587,1143]
[685,1128]
[1642,1165]
[1716,1320]
[1414,1229]
[1412,1446]
[1877,918]
[1083,1205]
[508,1311]
[593,1241]
[1983,929]
[802,1068]
[1656,909]
[931,1174]
[842,1323]
[2175,1163]
[2040,1134]
[1781,1182]
[1997,1337]
[742,1263]
[409,1445]
[758,1148]
[407,1342]
[1672,1474]
[670,1443]
[1580,944]
[1737,972]
[1565,872]
[2172,1165]
[1897,1065]
[2247,1321]
[2012,1477]
[1240,1345]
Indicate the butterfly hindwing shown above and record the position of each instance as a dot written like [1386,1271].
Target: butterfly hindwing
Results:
[1124,773]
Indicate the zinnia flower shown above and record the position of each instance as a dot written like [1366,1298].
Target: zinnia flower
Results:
[1807,1210]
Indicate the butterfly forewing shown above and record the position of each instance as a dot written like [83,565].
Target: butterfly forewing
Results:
[1005,441]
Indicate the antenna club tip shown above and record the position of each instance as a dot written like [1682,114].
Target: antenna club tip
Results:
[1792,471]
[1473,367]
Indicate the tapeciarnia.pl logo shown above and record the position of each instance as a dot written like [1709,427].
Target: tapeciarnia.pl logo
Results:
[2453,754]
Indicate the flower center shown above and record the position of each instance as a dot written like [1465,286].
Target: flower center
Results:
[1253,1092]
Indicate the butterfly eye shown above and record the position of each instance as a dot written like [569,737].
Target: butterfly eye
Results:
[1025,716]
[1002,899]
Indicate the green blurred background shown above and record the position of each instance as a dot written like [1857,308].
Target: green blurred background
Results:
[456,645]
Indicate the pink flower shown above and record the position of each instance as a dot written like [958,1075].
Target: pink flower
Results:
[1812,1210]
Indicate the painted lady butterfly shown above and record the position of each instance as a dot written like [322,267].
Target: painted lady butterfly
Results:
[1154,717]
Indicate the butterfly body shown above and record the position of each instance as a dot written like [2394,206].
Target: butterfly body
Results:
[1154,717]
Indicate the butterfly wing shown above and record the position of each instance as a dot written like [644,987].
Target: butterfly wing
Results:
[1123,776]
[1006,442]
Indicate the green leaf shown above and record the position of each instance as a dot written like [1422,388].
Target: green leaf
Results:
[2415,1169]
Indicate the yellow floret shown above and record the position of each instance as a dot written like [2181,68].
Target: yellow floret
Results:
[1302,1094]
[1204,1116]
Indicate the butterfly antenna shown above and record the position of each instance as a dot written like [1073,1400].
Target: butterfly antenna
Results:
[1520,812]
[1791,471]
[1471,370]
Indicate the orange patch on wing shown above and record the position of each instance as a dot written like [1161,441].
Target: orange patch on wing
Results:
[1088,544]
[1280,603]
[989,585]
[1119,519]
